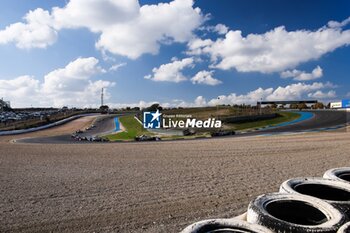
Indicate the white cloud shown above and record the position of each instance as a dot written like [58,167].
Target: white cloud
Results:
[323,95]
[36,32]
[125,27]
[71,85]
[290,92]
[21,91]
[295,91]
[117,66]
[273,51]
[196,45]
[171,72]
[155,25]
[205,77]
[96,15]
[221,29]
[71,77]
[303,76]
[335,24]
[200,101]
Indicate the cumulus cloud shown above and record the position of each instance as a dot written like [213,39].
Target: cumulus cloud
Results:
[221,29]
[22,91]
[335,24]
[71,85]
[96,15]
[196,45]
[295,91]
[35,32]
[200,101]
[205,77]
[322,95]
[125,27]
[274,51]
[290,92]
[303,76]
[171,72]
[155,24]
[73,82]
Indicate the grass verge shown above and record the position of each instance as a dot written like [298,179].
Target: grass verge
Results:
[132,129]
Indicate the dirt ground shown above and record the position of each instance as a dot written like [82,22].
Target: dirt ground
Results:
[151,187]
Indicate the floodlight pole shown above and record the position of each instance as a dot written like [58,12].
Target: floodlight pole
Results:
[102,97]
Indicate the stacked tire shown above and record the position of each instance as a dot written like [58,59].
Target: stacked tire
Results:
[285,212]
[225,226]
[334,192]
[312,204]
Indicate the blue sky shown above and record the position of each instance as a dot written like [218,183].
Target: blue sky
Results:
[178,53]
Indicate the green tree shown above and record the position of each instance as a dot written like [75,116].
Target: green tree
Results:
[302,106]
[154,107]
[319,105]
[104,109]
[293,106]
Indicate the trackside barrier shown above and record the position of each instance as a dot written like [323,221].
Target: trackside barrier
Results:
[312,205]
[21,131]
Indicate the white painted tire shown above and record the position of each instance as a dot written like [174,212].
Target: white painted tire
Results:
[334,192]
[225,226]
[345,228]
[285,212]
[340,174]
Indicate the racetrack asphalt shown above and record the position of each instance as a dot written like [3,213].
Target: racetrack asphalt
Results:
[321,120]
[103,125]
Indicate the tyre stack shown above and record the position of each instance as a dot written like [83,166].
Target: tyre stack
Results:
[312,204]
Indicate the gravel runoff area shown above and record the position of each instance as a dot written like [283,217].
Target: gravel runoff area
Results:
[151,187]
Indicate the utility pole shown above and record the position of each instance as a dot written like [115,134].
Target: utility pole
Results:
[102,96]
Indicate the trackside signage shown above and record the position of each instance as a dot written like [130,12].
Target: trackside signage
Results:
[345,103]
[156,120]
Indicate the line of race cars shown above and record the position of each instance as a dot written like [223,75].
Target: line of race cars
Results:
[77,135]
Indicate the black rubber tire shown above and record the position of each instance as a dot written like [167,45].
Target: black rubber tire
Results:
[334,192]
[285,212]
[340,174]
[225,225]
[345,228]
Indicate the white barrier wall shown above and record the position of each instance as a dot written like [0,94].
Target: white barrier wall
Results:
[20,131]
